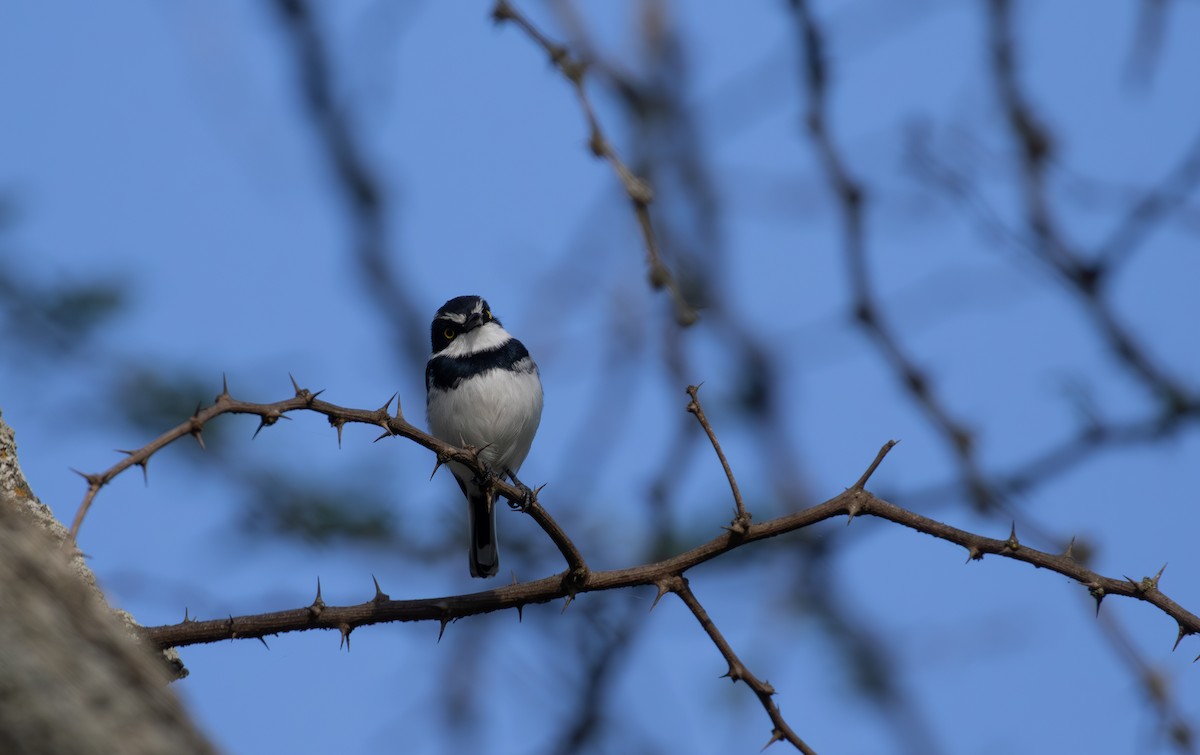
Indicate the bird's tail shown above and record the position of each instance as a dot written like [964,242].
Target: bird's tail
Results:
[485,556]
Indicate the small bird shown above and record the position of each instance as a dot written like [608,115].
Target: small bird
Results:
[482,390]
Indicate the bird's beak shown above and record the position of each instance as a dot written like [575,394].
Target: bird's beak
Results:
[474,320]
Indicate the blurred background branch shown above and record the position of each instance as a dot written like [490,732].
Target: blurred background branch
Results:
[999,195]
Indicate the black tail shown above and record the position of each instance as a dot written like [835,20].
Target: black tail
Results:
[485,556]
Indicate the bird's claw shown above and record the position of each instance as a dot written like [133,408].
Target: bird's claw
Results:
[527,496]
[487,479]
[526,501]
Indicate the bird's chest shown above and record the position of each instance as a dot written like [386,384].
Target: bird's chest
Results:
[492,408]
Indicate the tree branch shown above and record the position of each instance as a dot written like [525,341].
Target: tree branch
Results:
[666,575]
[339,416]
[640,194]
[738,671]
[742,519]
[853,502]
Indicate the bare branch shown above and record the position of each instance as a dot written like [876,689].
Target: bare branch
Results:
[849,195]
[853,501]
[640,194]
[742,519]
[738,671]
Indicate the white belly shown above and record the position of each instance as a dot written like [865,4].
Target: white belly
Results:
[498,411]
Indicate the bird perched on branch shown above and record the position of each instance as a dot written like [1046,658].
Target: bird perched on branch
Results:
[482,390]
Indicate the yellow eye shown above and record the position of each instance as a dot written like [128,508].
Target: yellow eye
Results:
[487,314]
[449,334]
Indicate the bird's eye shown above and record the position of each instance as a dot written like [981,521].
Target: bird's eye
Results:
[487,314]
[449,334]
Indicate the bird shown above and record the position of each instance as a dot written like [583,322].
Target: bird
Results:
[483,390]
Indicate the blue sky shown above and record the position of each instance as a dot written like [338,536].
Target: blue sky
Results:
[167,148]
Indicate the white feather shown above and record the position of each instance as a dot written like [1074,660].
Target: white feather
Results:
[497,411]
[484,338]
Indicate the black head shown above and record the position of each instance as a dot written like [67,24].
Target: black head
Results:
[460,315]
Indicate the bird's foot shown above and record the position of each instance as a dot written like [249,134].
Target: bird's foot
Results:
[527,495]
[488,479]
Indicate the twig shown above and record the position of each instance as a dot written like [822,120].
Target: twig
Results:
[738,671]
[1086,277]
[355,177]
[742,519]
[639,191]
[1155,685]
[850,198]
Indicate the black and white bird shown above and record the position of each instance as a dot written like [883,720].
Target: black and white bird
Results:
[482,390]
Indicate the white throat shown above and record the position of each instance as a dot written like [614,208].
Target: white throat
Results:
[484,338]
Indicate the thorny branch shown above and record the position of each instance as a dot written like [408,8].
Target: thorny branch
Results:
[738,671]
[640,194]
[305,399]
[666,575]
[743,517]
[855,501]
[1089,274]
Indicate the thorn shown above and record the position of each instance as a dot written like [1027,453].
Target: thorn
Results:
[197,427]
[1158,576]
[1012,543]
[345,630]
[269,419]
[224,386]
[442,629]
[520,613]
[974,554]
[380,595]
[337,424]
[233,635]
[663,589]
[1183,632]
[851,512]
[93,480]
[776,736]
[295,385]
[566,603]
[144,464]
[186,619]
[474,452]
[264,642]
[1069,553]
[318,605]
[386,434]
[384,409]
[314,396]
[437,465]
[1098,593]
